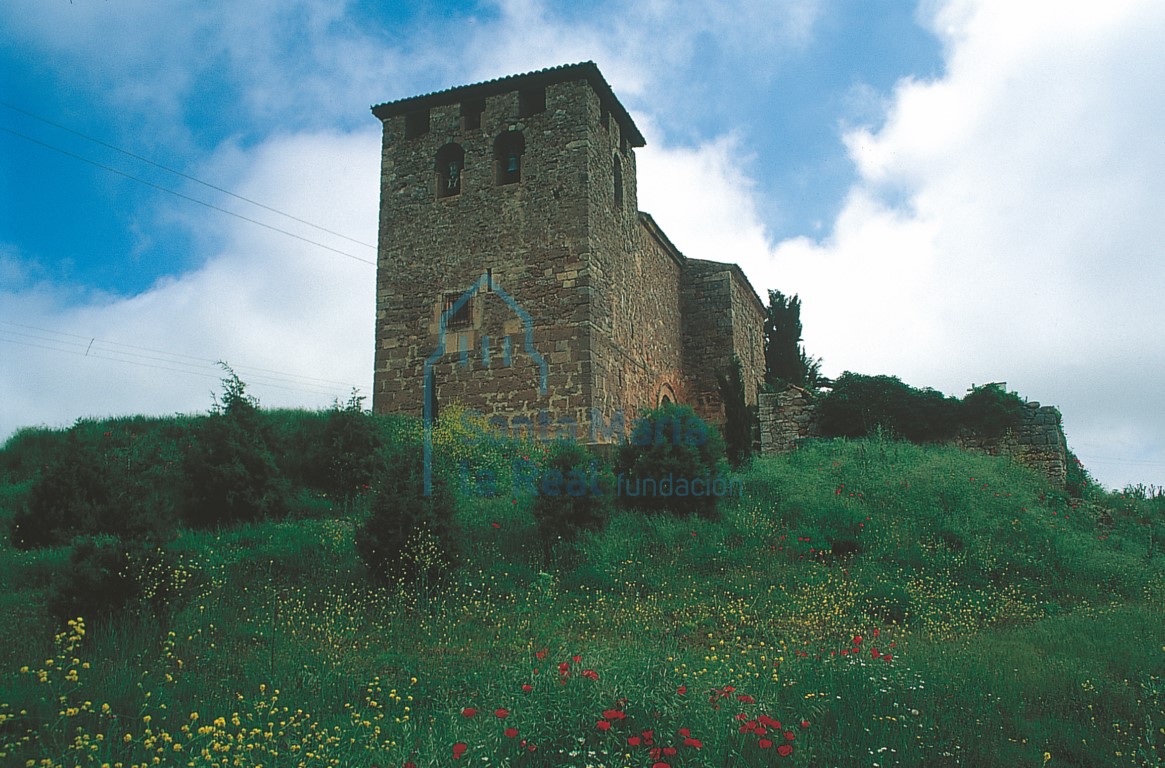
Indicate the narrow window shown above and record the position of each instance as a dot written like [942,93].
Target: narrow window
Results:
[471,114]
[531,101]
[618,174]
[450,164]
[416,124]
[508,149]
[459,320]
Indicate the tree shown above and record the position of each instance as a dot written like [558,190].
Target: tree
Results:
[738,417]
[785,359]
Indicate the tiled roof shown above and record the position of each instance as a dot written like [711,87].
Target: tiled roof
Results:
[587,70]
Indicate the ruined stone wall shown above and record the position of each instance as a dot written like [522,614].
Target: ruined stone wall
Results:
[1038,442]
[786,418]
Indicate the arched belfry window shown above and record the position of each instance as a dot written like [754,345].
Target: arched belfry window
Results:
[618,175]
[450,164]
[508,149]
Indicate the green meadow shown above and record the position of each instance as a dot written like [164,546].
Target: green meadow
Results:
[862,603]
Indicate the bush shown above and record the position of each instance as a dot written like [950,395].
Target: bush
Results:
[672,444]
[89,489]
[991,409]
[407,534]
[106,575]
[230,473]
[572,493]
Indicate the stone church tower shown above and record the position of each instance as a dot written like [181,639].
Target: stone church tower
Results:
[517,277]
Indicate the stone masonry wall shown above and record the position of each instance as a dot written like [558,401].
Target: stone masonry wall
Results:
[1038,442]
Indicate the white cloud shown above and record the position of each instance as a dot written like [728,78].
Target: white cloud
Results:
[287,314]
[1004,226]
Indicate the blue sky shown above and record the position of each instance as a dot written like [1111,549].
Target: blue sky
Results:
[960,191]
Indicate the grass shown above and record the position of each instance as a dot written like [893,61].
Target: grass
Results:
[886,604]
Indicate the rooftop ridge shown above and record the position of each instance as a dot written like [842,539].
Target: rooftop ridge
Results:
[587,70]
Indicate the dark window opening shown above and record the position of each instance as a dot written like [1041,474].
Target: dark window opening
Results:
[450,164]
[459,320]
[471,114]
[431,396]
[531,101]
[605,118]
[489,280]
[416,124]
[508,149]
[618,174]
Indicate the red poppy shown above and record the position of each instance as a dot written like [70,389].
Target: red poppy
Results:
[502,713]
[804,723]
[633,741]
[614,714]
[669,751]
[496,525]
[564,667]
[770,722]
[887,656]
[542,654]
[576,659]
[648,736]
[682,690]
[790,735]
[785,750]
[592,674]
[660,765]
[603,725]
[527,687]
[685,732]
[468,712]
[409,764]
[764,743]
[459,749]
[690,742]
[746,698]
[857,639]
[510,733]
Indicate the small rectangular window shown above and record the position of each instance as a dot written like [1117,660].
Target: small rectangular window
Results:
[416,123]
[459,320]
[531,101]
[471,114]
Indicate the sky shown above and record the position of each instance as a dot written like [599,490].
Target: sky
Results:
[959,191]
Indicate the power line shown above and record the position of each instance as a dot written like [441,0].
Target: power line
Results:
[207,184]
[184,197]
[90,347]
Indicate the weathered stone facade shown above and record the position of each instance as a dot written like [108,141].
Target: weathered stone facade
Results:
[511,247]
[1038,442]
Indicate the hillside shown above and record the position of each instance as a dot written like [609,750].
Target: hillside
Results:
[863,602]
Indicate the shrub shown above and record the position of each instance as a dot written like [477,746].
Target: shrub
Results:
[991,409]
[89,489]
[406,534]
[863,405]
[572,493]
[672,444]
[738,417]
[230,473]
[106,575]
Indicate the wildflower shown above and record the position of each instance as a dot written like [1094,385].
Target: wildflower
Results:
[785,750]
[695,743]
[614,714]
[764,743]
[468,712]
[633,741]
[682,690]
[459,749]
[510,733]
[501,713]
[590,673]
[603,725]
[526,687]
[744,697]
[805,723]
